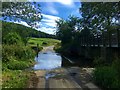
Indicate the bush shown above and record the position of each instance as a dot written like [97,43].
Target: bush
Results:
[116,67]
[104,76]
[12,38]
[17,51]
[58,48]
[108,76]
[99,61]
[17,57]
[37,49]
[44,43]
[18,65]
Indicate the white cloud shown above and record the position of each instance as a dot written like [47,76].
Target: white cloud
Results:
[65,2]
[50,17]
[47,30]
[69,3]
[47,24]
[23,23]
[49,20]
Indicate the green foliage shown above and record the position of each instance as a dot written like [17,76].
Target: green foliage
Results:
[12,38]
[24,11]
[15,78]
[104,76]
[15,55]
[58,48]
[67,31]
[99,61]
[24,32]
[37,48]
[17,51]
[18,65]
[108,76]
[88,30]
[96,15]
[42,42]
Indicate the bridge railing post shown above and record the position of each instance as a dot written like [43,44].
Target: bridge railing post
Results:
[118,37]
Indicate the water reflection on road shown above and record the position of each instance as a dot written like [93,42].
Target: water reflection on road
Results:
[48,60]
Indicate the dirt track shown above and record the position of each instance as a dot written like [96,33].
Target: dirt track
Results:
[73,77]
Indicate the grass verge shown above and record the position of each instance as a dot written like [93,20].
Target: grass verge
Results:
[15,78]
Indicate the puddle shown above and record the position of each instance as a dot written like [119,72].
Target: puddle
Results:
[50,75]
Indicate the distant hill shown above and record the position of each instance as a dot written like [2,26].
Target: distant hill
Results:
[23,31]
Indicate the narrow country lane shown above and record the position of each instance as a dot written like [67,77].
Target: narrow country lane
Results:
[72,77]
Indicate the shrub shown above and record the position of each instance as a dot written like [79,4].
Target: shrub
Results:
[116,67]
[108,76]
[35,48]
[104,76]
[44,43]
[58,48]
[17,65]
[12,38]
[99,61]
[20,52]
[17,57]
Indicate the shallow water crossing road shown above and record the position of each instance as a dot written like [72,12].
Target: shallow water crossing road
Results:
[50,74]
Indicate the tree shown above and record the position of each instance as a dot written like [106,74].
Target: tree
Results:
[67,31]
[67,28]
[22,11]
[99,16]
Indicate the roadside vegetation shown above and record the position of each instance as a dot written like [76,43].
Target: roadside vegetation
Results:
[96,27]
[18,54]
[107,76]
[99,24]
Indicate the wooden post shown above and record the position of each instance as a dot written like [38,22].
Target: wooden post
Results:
[37,49]
[93,41]
[109,35]
[118,38]
[103,49]
[98,40]
[118,41]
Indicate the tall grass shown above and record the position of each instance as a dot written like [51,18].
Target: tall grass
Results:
[16,58]
[14,78]
[108,76]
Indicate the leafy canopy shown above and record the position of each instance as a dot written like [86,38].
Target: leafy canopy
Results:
[22,11]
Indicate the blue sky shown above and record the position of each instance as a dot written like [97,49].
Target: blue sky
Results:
[52,11]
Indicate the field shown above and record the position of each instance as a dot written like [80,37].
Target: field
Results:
[42,41]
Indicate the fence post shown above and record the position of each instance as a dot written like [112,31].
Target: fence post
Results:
[103,49]
[98,40]
[37,49]
[109,35]
[118,37]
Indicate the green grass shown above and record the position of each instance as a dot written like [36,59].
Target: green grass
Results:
[15,59]
[108,76]
[42,41]
[15,78]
